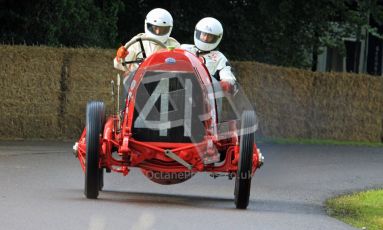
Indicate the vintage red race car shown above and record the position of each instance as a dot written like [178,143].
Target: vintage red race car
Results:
[173,123]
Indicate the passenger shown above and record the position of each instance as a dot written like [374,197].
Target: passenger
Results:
[207,36]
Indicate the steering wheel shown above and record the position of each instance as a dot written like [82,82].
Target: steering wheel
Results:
[140,38]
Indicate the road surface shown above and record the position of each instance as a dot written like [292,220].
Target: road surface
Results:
[42,188]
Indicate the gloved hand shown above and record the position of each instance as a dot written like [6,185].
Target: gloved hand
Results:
[122,52]
[226,87]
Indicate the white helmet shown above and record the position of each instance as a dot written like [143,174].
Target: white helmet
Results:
[208,34]
[158,24]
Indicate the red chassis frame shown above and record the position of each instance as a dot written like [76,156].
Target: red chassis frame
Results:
[150,155]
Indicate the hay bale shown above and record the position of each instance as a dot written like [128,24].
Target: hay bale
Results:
[302,104]
[44,92]
[281,95]
[347,107]
[88,78]
[30,92]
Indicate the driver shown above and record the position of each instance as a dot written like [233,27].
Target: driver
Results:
[207,36]
[158,25]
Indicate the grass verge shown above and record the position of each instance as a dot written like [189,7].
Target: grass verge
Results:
[316,142]
[362,210]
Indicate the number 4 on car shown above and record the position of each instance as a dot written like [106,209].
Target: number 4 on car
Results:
[172,124]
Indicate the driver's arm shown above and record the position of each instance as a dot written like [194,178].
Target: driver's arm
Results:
[172,42]
[130,56]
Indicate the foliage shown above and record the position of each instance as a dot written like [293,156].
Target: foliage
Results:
[281,32]
[60,22]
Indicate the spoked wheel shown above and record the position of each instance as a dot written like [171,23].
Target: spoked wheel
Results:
[243,178]
[95,113]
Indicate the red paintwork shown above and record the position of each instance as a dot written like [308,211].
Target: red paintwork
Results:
[150,156]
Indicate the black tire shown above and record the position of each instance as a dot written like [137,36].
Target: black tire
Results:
[95,113]
[245,163]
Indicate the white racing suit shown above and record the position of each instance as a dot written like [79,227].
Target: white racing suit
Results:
[216,63]
[218,67]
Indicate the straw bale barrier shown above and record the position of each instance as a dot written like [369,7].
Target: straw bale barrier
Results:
[303,104]
[88,75]
[30,92]
[44,92]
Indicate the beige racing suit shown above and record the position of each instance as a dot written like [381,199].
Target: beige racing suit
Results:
[136,52]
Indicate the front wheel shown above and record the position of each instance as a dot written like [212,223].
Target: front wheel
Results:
[243,178]
[95,113]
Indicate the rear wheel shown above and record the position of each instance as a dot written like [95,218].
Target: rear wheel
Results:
[243,178]
[95,112]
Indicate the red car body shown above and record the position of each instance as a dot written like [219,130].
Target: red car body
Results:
[172,150]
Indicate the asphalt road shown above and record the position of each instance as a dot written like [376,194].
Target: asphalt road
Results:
[42,188]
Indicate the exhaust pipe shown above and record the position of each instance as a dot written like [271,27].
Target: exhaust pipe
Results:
[75,149]
[261,158]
